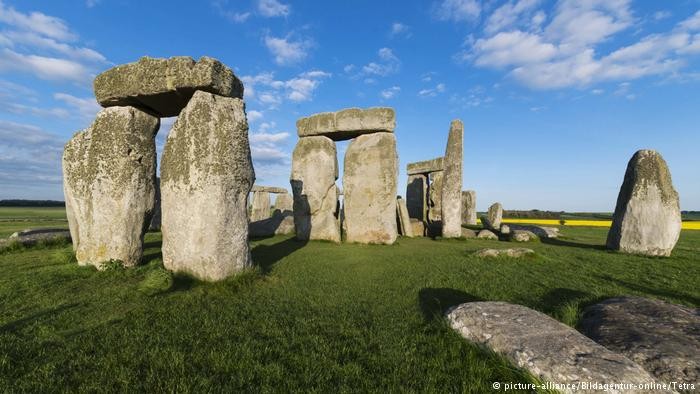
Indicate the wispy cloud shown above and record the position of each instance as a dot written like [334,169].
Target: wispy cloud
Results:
[287,50]
[273,8]
[387,64]
[399,29]
[457,10]
[390,92]
[271,92]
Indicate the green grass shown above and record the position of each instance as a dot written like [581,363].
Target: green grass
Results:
[14,219]
[310,317]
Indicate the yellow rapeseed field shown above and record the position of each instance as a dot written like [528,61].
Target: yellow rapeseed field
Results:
[590,223]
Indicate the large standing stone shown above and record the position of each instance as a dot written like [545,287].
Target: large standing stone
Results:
[435,197]
[494,217]
[164,86]
[314,171]
[369,183]
[548,349]
[405,228]
[647,217]
[284,202]
[469,207]
[347,123]
[109,173]
[663,338]
[452,183]
[260,209]
[417,196]
[206,175]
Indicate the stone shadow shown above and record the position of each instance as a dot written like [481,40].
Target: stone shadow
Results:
[27,320]
[560,242]
[266,256]
[667,294]
[434,302]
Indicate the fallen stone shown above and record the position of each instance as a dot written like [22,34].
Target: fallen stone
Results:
[404,221]
[539,231]
[663,338]
[426,166]
[487,234]
[418,227]
[34,236]
[260,209]
[314,172]
[164,86]
[109,172]
[467,233]
[469,207]
[551,351]
[417,196]
[369,182]
[522,236]
[452,183]
[511,252]
[348,123]
[206,176]
[505,229]
[269,189]
[647,218]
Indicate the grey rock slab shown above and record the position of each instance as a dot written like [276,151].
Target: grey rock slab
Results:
[260,208]
[268,189]
[206,176]
[486,234]
[467,233]
[661,337]
[426,166]
[418,227]
[314,172]
[452,182]
[548,349]
[348,123]
[510,252]
[522,236]
[34,236]
[109,173]
[370,182]
[647,218]
[494,216]
[469,207]
[539,231]
[164,86]
[284,203]
[435,197]
[403,219]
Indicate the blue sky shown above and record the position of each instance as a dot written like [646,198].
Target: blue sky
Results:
[555,96]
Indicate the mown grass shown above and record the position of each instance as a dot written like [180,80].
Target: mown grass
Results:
[14,219]
[312,317]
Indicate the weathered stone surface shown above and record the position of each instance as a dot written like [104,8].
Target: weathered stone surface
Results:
[417,197]
[404,220]
[647,218]
[452,182]
[206,175]
[663,338]
[469,207]
[511,252]
[348,123]
[426,166]
[505,229]
[279,224]
[539,231]
[260,209]
[109,173]
[314,171]
[495,215]
[156,219]
[284,202]
[467,233]
[268,189]
[34,236]
[369,182]
[164,86]
[548,349]
[522,236]
[418,227]
[435,197]
[487,234]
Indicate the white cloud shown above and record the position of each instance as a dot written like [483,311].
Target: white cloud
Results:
[660,15]
[254,116]
[272,8]
[578,24]
[399,29]
[268,137]
[37,22]
[86,107]
[512,48]
[390,92]
[508,14]
[287,51]
[48,68]
[439,88]
[388,64]
[29,155]
[272,92]
[692,23]
[458,10]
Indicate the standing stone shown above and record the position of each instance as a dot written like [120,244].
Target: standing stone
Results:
[369,183]
[206,175]
[109,173]
[435,197]
[494,217]
[157,218]
[452,183]
[314,171]
[647,217]
[260,207]
[284,202]
[417,196]
[469,207]
[405,228]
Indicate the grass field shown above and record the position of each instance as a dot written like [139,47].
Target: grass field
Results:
[310,317]
[20,218]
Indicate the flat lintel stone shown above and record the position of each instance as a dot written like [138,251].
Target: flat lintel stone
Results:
[269,189]
[348,123]
[164,86]
[426,166]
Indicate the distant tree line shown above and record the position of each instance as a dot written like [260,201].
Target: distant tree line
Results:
[532,214]
[32,203]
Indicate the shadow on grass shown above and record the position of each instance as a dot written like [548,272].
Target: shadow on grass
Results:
[266,256]
[651,291]
[434,302]
[559,242]
[17,324]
